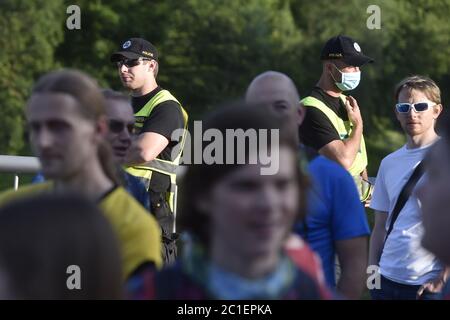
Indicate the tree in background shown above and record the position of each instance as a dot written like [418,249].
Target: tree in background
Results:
[214,48]
[28,37]
[105,25]
[211,49]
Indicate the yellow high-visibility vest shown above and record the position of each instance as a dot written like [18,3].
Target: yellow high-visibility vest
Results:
[144,171]
[344,129]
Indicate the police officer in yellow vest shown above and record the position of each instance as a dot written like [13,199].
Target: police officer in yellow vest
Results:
[156,151]
[333,123]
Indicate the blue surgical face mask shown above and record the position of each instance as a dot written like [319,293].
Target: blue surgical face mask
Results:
[350,80]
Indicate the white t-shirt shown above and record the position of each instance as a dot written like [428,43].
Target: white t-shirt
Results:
[403,260]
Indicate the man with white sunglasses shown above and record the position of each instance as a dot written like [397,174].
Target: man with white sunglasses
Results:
[406,269]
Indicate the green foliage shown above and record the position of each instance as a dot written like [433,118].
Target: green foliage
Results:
[211,49]
[29,32]
[381,142]
[105,25]
[7,180]
[413,39]
[214,48]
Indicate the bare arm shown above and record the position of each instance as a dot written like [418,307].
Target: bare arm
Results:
[352,254]
[146,147]
[377,238]
[364,175]
[345,151]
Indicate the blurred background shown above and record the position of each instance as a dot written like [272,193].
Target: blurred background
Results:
[211,49]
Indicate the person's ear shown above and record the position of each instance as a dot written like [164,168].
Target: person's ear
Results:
[152,66]
[332,72]
[397,115]
[301,113]
[437,110]
[329,67]
[101,128]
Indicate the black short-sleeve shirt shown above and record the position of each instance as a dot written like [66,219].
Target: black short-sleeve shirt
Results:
[164,119]
[317,130]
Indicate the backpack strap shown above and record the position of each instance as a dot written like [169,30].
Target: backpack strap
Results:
[404,196]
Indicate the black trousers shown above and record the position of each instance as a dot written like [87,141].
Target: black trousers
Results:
[165,217]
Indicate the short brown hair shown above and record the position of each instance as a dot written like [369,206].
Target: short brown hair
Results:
[422,84]
[236,115]
[110,94]
[155,72]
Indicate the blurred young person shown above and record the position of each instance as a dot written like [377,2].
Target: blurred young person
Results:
[435,199]
[58,247]
[67,125]
[121,121]
[238,218]
[119,135]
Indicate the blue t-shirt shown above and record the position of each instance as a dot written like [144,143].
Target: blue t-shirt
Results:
[137,189]
[38,178]
[334,212]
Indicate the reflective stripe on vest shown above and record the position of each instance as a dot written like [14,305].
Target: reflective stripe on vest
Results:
[344,129]
[144,171]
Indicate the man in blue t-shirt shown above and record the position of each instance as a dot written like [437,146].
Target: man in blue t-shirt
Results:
[336,223]
[334,215]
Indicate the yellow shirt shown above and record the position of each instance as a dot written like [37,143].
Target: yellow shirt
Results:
[137,231]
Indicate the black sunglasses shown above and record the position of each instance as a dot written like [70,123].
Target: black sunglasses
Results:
[129,63]
[418,107]
[116,126]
